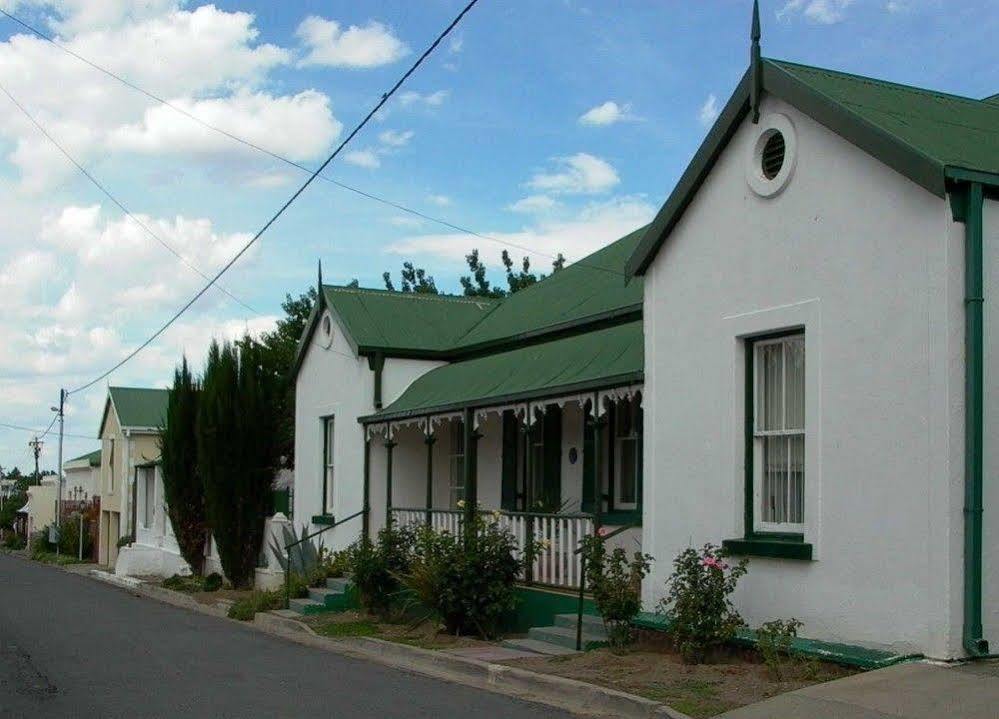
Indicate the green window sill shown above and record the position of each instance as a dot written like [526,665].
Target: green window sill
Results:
[323,519]
[622,517]
[761,546]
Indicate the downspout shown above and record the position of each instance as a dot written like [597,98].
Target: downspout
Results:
[972,635]
[377,363]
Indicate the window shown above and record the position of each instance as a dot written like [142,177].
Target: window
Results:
[456,462]
[111,467]
[626,455]
[328,424]
[772,157]
[778,444]
[148,496]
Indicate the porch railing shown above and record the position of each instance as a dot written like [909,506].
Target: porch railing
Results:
[555,563]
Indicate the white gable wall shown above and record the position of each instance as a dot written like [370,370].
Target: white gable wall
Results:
[990,551]
[336,382]
[868,263]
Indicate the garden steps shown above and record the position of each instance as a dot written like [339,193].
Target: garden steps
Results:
[536,647]
[560,638]
[592,624]
[338,596]
[566,637]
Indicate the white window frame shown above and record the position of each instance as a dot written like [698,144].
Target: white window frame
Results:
[148,497]
[629,406]
[329,462]
[759,437]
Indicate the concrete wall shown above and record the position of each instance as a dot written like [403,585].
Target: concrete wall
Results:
[155,551]
[867,263]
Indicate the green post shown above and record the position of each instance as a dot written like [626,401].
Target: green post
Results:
[389,446]
[429,440]
[366,518]
[599,423]
[470,460]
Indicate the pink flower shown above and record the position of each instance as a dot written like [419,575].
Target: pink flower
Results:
[603,531]
[710,561]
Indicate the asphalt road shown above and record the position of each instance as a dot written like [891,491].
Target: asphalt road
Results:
[74,647]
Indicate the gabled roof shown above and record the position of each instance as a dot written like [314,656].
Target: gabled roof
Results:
[922,134]
[404,321]
[589,290]
[601,358]
[91,459]
[137,407]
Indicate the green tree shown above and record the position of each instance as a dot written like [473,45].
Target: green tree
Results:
[182,483]
[477,285]
[413,279]
[237,452]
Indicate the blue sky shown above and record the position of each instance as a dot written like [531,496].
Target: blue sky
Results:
[557,125]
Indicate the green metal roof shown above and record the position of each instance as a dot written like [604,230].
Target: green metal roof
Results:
[924,135]
[385,320]
[606,357]
[138,407]
[955,131]
[91,458]
[586,290]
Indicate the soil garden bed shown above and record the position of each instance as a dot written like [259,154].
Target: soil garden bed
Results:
[361,624]
[652,669]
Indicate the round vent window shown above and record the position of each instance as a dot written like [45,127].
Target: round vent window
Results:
[326,330]
[773,155]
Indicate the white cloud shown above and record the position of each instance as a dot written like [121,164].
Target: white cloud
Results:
[823,12]
[580,174]
[593,227]
[433,99]
[709,111]
[299,127]
[532,204]
[328,44]
[456,45]
[607,113]
[395,138]
[367,159]
[439,200]
[896,6]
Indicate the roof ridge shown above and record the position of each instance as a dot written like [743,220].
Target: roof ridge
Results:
[915,89]
[150,389]
[426,296]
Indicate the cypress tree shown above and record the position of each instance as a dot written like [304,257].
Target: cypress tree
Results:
[182,485]
[237,448]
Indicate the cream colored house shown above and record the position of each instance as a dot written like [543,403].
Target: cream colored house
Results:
[40,509]
[129,432]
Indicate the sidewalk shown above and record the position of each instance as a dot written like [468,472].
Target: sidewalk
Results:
[918,690]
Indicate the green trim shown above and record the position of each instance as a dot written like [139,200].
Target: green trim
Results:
[959,173]
[761,545]
[376,363]
[389,446]
[538,607]
[323,520]
[622,517]
[366,518]
[846,654]
[974,374]
[622,380]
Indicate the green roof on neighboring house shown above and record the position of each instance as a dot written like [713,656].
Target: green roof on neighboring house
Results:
[91,458]
[587,290]
[607,357]
[386,320]
[138,407]
[953,130]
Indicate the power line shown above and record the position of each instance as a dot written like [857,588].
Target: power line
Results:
[367,118]
[42,433]
[114,199]
[368,195]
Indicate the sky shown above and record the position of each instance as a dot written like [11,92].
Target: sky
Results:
[554,125]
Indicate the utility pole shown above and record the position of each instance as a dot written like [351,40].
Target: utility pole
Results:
[36,448]
[59,409]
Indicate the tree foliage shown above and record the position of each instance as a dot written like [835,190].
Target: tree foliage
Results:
[237,452]
[477,285]
[182,483]
[412,279]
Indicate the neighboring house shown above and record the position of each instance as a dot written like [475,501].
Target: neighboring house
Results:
[82,477]
[814,356]
[412,405]
[129,433]
[40,509]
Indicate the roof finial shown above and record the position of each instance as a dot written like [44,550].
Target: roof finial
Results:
[755,63]
[319,285]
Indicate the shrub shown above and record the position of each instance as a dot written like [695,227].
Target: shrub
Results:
[616,584]
[212,583]
[124,541]
[257,601]
[466,581]
[180,583]
[69,537]
[14,541]
[774,639]
[40,542]
[697,601]
[376,567]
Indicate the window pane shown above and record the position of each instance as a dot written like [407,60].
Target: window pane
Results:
[796,508]
[769,387]
[774,488]
[795,382]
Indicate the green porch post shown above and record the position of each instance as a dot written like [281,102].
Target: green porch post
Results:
[599,422]
[389,446]
[471,490]
[366,517]
[429,440]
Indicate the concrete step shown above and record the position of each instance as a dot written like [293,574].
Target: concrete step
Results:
[592,624]
[307,606]
[565,637]
[323,596]
[536,647]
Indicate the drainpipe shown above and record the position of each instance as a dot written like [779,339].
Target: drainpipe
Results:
[377,363]
[974,643]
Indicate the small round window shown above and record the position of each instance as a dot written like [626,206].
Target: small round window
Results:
[772,157]
[326,330]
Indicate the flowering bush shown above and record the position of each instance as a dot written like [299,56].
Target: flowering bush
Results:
[616,584]
[466,581]
[697,601]
[376,567]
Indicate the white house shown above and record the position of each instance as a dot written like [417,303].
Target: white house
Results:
[820,340]
[82,476]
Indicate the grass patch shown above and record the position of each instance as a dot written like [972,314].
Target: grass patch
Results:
[339,630]
[245,608]
[192,584]
[60,560]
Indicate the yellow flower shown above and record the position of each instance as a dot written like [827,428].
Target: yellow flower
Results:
[461,504]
